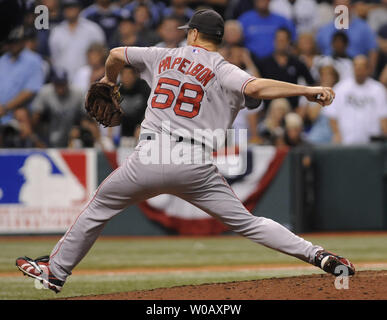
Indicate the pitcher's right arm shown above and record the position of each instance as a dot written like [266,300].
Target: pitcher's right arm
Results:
[272,89]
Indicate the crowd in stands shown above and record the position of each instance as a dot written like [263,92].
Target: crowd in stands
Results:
[45,74]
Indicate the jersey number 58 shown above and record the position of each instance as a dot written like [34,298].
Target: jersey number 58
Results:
[181,98]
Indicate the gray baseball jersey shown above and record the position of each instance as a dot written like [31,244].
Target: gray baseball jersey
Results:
[192,89]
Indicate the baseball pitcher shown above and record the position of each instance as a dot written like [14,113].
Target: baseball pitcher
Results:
[192,89]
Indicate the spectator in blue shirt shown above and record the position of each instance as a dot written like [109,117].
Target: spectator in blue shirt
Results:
[106,15]
[21,75]
[282,65]
[362,40]
[260,27]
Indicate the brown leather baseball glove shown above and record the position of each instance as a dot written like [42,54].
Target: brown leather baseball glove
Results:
[103,104]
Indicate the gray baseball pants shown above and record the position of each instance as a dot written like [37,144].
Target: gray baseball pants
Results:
[200,184]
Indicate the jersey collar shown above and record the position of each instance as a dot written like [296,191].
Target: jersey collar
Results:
[200,47]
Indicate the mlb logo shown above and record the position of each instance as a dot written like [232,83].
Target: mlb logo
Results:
[195,50]
[44,191]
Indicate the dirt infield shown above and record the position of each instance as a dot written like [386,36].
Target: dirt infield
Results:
[365,285]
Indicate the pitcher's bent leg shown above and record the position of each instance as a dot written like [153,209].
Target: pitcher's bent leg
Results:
[115,193]
[218,200]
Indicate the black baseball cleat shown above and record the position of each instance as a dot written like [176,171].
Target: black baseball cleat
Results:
[40,269]
[330,262]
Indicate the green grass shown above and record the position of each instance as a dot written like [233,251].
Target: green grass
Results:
[24,288]
[172,252]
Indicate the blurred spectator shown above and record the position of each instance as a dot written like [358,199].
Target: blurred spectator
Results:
[32,43]
[260,26]
[359,110]
[135,93]
[170,35]
[21,75]
[154,8]
[316,124]
[56,108]
[293,131]
[123,3]
[241,57]
[84,135]
[284,66]
[70,40]
[360,8]
[234,53]
[94,70]
[381,65]
[232,49]
[339,58]
[245,119]
[12,14]
[29,16]
[126,34]
[341,61]
[325,13]
[18,132]
[236,8]
[233,33]
[86,3]
[377,15]
[106,14]
[179,9]
[219,6]
[55,17]
[142,18]
[362,39]
[307,52]
[372,11]
[271,129]
[301,12]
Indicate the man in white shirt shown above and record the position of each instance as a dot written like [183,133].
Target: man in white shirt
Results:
[360,108]
[70,40]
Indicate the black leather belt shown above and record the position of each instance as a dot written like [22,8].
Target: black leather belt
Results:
[147,136]
[152,136]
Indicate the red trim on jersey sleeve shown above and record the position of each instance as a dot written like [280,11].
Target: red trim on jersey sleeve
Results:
[245,84]
[126,55]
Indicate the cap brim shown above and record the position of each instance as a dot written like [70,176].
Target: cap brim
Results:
[186,26]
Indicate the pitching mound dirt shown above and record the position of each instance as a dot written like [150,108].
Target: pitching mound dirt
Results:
[364,285]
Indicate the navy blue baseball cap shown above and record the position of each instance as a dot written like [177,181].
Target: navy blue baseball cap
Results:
[59,77]
[206,21]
